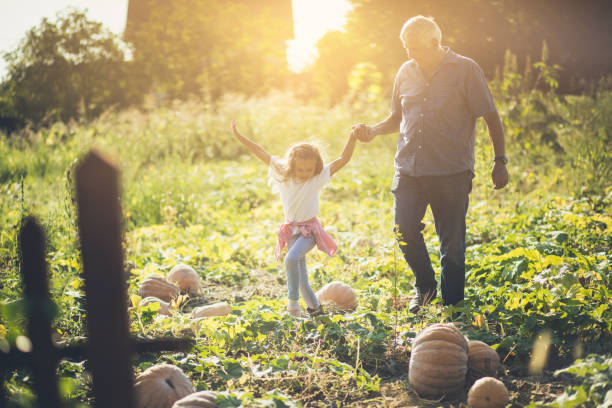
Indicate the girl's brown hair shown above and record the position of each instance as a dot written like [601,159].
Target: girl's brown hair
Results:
[304,151]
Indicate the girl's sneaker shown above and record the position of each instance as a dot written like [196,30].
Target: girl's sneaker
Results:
[295,310]
[318,311]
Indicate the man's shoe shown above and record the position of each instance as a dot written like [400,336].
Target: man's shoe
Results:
[421,299]
[318,311]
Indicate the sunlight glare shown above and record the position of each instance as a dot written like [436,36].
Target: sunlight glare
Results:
[311,20]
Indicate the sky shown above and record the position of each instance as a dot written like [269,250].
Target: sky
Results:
[312,19]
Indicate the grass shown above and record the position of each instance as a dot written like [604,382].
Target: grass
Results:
[538,251]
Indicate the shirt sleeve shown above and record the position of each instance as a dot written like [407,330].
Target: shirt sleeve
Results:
[396,103]
[273,174]
[480,100]
[324,177]
[273,166]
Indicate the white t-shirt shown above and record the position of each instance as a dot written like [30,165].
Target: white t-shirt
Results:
[300,200]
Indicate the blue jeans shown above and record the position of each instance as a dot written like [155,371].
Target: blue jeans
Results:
[448,197]
[297,275]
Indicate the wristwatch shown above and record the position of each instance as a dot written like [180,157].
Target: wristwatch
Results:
[502,159]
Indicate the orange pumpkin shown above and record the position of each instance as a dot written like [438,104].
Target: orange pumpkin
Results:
[186,278]
[160,386]
[488,392]
[164,307]
[483,361]
[338,294]
[216,309]
[438,361]
[202,399]
[158,287]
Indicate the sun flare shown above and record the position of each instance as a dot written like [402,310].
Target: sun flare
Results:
[311,20]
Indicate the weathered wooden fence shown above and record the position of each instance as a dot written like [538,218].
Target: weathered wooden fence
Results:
[109,348]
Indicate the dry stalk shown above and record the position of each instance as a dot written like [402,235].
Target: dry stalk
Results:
[508,355]
[395,293]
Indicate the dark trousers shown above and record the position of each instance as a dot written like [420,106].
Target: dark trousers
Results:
[448,197]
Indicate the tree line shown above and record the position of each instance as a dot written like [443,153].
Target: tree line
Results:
[75,68]
[577,35]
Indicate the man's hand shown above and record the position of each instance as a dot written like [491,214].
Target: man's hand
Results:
[499,175]
[363,132]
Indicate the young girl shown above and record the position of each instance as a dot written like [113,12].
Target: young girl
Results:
[298,178]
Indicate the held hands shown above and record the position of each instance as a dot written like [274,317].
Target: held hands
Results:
[363,132]
[499,175]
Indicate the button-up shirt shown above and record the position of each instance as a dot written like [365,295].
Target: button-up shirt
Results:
[438,126]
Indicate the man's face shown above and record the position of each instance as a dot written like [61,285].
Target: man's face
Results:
[419,52]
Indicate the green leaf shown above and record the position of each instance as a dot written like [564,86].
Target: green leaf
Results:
[560,236]
[572,400]
[519,267]
[607,403]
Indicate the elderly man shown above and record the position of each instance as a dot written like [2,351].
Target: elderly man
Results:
[437,97]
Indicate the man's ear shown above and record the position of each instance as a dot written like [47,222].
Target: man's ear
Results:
[434,43]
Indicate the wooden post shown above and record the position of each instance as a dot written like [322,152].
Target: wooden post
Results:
[40,313]
[109,349]
[99,219]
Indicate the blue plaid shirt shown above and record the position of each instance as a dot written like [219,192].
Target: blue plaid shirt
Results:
[438,127]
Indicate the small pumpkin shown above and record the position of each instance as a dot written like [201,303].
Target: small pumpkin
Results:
[216,309]
[160,386]
[164,307]
[338,294]
[186,278]
[202,399]
[438,361]
[488,392]
[158,287]
[483,361]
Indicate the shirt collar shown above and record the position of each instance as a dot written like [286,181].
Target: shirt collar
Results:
[450,57]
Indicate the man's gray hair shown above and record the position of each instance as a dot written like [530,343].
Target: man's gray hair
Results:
[420,30]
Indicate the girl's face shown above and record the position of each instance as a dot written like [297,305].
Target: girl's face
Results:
[304,169]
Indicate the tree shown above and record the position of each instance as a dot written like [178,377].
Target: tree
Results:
[577,33]
[189,47]
[336,58]
[65,69]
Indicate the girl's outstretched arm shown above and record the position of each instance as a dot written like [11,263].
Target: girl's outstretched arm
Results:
[256,149]
[345,156]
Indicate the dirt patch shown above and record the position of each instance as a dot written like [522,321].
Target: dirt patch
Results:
[397,392]
[260,283]
[542,389]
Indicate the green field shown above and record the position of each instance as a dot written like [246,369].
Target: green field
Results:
[539,252]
